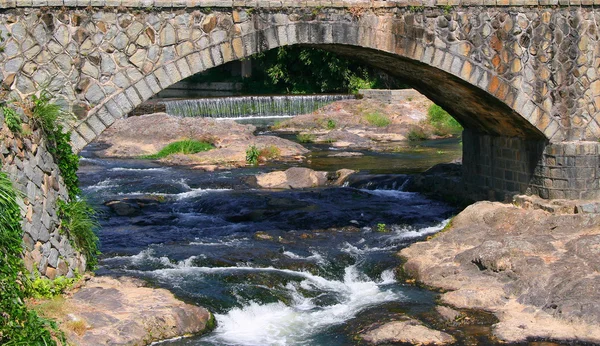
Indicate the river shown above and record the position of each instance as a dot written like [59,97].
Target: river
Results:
[295,267]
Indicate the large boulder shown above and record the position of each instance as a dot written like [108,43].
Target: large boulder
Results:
[122,311]
[410,331]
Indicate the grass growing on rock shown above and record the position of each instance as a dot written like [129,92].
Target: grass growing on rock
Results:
[79,220]
[186,146]
[305,138]
[377,119]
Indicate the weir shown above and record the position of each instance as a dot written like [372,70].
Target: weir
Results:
[250,106]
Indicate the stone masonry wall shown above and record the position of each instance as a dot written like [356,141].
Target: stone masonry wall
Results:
[514,71]
[33,171]
[389,96]
[498,167]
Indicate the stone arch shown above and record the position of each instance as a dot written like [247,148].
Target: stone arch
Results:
[480,98]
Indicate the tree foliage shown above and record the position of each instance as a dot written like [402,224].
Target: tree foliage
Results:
[301,70]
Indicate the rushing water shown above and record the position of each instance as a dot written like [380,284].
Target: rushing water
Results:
[251,106]
[320,272]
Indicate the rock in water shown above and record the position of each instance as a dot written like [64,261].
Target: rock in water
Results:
[299,177]
[410,331]
[123,312]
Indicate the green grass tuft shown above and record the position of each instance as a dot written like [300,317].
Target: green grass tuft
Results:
[79,220]
[305,137]
[187,146]
[377,119]
[417,134]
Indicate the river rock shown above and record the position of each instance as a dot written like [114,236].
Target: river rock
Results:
[123,208]
[108,311]
[410,331]
[148,134]
[300,177]
[447,313]
[536,271]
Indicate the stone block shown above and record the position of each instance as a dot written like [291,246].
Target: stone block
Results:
[215,53]
[153,83]
[123,102]
[95,124]
[144,90]
[86,132]
[133,97]
[206,58]
[114,109]
[163,78]
[77,141]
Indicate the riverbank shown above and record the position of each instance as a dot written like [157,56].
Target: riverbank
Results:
[122,311]
[367,124]
[535,267]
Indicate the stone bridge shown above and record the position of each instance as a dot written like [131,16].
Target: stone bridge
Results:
[520,75]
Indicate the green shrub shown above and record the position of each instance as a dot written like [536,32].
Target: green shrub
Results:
[417,134]
[331,124]
[377,119]
[382,228]
[305,137]
[18,325]
[252,155]
[442,122]
[79,220]
[12,120]
[187,146]
[46,288]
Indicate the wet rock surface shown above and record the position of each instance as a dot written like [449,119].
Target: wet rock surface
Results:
[299,177]
[536,271]
[123,312]
[410,331]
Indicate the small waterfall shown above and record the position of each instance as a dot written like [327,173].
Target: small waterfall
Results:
[251,106]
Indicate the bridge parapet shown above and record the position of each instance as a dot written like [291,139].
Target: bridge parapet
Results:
[286,4]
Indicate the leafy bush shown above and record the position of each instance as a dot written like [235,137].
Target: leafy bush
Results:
[252,155]
[187,146]
[331,124]
[356,82]
[305,137]
[382,228]
[442,122]
[377,119]
[301,70]
[18,325]
[46,288]
[12,120]
[79,220]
